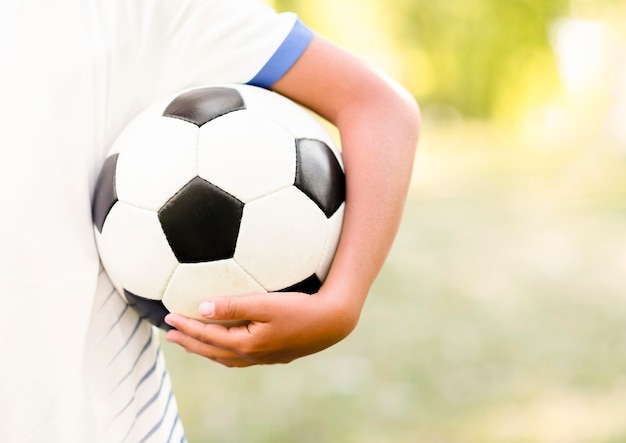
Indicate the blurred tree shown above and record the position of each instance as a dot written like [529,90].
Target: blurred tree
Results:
[473,50]
[477,47]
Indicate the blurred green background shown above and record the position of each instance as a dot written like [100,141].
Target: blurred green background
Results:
[500,315]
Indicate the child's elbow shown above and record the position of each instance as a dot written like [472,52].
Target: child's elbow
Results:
[407,113]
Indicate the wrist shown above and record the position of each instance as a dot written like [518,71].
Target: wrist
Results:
[342,303]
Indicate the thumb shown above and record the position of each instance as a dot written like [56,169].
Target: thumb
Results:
[249,307]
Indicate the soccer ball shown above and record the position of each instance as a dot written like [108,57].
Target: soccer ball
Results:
[224,190]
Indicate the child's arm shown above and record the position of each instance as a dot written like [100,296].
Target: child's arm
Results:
[379,126]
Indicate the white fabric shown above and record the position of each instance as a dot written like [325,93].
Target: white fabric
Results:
[130,394]
[72,74]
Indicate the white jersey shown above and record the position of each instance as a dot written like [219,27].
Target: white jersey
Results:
[77,364]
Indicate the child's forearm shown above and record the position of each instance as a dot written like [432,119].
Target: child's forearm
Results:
[379,137]
[379,126]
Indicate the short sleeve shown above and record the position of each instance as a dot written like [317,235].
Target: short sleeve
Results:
[181,43]
[156,48]
[285,56]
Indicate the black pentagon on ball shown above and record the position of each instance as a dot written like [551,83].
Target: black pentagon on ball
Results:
[310,285]
[201,222]
[202,105]
[105,194]
[319,175]
[152,310]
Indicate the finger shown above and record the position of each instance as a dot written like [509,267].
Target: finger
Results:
[213,334]
[252,307]
[217,354]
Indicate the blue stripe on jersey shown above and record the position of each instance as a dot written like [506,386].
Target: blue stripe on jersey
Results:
[106,300]
[150,371]
[285,56]
[173,428]
[132,368]
[115,323]
[160,422]
[150,401]
[128,340]
[147,375]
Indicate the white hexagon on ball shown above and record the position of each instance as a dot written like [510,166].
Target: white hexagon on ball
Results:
[300,122]
[193,282]
[146,267]
[282,238]
[157,158]
[246,155]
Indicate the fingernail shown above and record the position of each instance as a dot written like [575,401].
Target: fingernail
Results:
[207,308]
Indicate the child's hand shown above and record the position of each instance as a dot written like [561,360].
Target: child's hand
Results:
[280,327]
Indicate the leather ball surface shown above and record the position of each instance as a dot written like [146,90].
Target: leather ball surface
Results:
[223,190]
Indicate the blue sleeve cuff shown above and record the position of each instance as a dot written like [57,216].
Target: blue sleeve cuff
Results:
[285,56]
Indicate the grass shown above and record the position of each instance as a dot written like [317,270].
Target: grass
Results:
[499,317]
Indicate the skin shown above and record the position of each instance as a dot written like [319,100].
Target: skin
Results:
[379,124]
